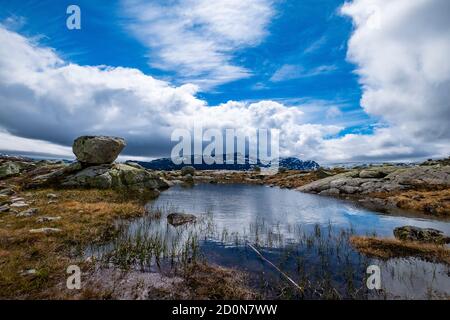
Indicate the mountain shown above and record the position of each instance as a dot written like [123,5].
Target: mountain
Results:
[293,163]
[290,163]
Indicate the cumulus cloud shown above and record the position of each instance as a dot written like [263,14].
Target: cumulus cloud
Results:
[401,57]
[401,50]
[197,39]
[43,97]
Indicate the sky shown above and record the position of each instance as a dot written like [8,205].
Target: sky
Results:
[343,81]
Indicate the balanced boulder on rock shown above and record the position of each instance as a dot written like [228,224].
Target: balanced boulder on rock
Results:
[97,149]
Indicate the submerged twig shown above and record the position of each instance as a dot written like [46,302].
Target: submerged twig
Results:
[278,269]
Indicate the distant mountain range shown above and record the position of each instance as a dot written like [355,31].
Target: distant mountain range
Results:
[290,163]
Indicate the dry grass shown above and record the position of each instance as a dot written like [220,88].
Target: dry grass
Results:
[87,216]
[213,282]
[391,248]
[430,202]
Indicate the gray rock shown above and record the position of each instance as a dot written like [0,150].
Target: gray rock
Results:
[4,208]
[411,233]
[134,165]
[19,204]
[51,196]
[383,179]
[330,192]
[7,192]
[48,219]
[45,230]
[97,149]
[28,213]
[178,219]
[9,169]
[115,176]
[188,178]
[372,173]
[187,170]
[17,199]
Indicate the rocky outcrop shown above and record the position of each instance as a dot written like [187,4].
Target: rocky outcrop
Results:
[381,179]
[115,176]
[85,174]
[97,149]
[14,167]
[410,233]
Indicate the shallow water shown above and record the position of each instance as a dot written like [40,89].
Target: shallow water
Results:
[305,236]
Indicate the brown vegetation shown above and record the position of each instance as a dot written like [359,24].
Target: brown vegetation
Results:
[385,248]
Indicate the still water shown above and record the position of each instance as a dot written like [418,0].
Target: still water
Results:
[305,236]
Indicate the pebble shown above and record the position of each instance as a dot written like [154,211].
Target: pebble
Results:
[7,192]
[48,219]
[4,208]
[19,204]
[28,272]
[52,196]
[28,213]
[45,230]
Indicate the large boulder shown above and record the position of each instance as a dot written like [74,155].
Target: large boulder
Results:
[94,150]
[410,233]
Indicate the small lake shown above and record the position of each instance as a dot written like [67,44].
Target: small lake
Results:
[272,234]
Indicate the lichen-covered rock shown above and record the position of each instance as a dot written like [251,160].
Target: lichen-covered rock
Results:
[373,173]
[411,233]
[97,149]
[187,170]
[9,169]
[115,176]
[383,179]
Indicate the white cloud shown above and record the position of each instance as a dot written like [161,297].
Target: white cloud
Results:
[197,39]
[290,72]
[401,50]
[44,98]
[402,64]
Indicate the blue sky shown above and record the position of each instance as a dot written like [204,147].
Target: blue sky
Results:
[290,52]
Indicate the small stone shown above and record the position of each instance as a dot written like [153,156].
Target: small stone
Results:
[7,192]
[28,272]
[19,204]
[52,202]
[28,213]
[178,219]
[48,219]
[45,230]
[4,208]
[52,196]
[17,199]
[187,170]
